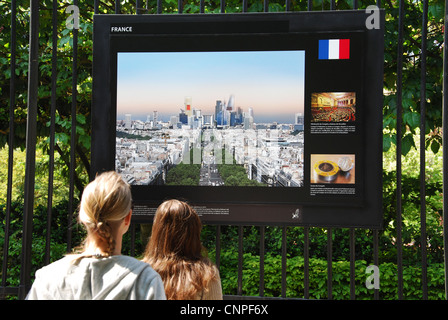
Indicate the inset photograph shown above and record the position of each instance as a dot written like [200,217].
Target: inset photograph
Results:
[333,168]
[238,123]
[333,107]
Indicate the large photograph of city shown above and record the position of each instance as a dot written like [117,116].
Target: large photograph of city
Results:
[211,118]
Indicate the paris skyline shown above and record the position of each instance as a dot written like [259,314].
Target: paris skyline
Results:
[272,83]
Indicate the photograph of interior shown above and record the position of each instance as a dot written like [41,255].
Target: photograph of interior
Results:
[333,107]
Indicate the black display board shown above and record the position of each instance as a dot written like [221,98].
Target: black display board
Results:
[251,118]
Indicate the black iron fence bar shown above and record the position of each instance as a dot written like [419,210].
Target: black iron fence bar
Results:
[132,249]
[398,144]
[9,291]
[137,7]
[244,5]
[352,233]
[375,232]
[96,6]
[352,264]
[306,263]
[73,136]
[117,7]
[12,102]
[31,134]
[218,247]
[330,263]
[424,34]
[445,148]
[284,249]
[262,248]
[159,6]
[223,6]
[375,259]
[54,73]
[240,261]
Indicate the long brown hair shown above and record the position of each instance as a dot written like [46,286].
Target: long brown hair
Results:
[175,251]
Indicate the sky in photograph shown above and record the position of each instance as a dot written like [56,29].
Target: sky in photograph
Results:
[271,83]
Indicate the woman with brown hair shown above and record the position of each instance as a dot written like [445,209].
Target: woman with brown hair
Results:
[175,252]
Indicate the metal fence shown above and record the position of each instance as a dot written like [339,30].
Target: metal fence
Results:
[35,10]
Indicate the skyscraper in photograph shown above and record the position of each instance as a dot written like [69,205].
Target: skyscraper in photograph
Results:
[219,113]
[183,118]
[218,108]
[231,103]
[187,103]
[251,112]
[298,121]
[173,121]
[298,118]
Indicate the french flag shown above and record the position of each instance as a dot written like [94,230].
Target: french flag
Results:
[334,49]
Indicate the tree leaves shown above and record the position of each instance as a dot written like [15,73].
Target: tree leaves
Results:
[411,59]
[318,278]
[411,72]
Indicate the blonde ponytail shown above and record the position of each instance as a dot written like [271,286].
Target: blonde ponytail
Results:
[105,200]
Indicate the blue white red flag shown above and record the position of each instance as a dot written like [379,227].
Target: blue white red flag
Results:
[334,49]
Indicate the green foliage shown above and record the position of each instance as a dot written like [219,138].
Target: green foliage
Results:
[184,175]
[235,174]
[411,100]
[121,134]
[65,74]
[318,278]
[60,183]
[410,183]
[58,237]
[412,63]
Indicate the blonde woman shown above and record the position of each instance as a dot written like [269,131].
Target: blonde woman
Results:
[175,252]
[99,271]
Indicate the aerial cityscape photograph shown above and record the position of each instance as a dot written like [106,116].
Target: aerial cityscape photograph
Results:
[225,119]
